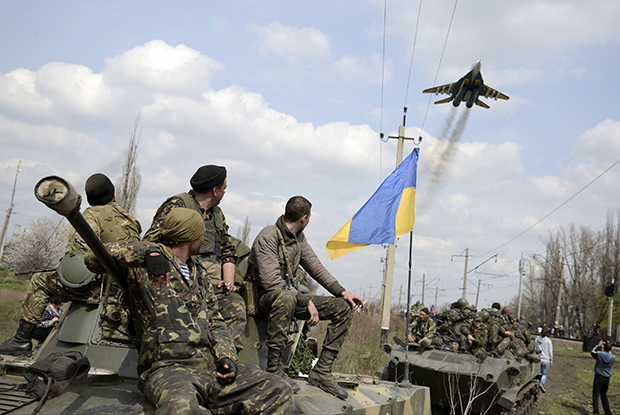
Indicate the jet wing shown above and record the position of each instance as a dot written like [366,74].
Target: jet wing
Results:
[443,89]
[492,93]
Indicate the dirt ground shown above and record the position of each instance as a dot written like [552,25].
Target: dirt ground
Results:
[566,390]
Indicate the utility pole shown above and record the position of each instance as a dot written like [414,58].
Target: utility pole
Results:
[8,213]
[400,296]
[522,270]
[557,309]
[423,286]
[388,276]
[465,276]
[436,294]
[478,294]
[611,310]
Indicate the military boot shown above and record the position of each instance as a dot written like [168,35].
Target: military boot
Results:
[321,375]
[21,343]
[275,367]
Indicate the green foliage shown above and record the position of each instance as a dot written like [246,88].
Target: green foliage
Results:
[7,283]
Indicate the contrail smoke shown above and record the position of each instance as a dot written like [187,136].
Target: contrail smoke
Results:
[438,171]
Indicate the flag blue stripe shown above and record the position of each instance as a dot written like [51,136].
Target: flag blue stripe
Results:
[375,222]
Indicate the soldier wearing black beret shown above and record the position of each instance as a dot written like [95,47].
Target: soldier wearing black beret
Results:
[217,253]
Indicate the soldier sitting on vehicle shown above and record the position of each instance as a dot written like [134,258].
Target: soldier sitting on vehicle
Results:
[474,337]
[422,331]
[111,223]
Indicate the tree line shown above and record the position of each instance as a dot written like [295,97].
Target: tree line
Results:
[577,263]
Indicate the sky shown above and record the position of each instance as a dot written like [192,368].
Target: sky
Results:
[292,97]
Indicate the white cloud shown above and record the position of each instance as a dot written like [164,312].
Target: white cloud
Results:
[352,68]
[290,42]
[160,67]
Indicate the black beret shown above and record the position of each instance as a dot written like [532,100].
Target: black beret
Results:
[426,310]
[207,177]
[99,189]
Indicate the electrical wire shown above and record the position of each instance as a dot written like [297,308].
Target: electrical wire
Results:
[554,210]
[415,37]
[445,43]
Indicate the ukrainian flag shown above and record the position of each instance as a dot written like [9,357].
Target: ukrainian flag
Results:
[387,214]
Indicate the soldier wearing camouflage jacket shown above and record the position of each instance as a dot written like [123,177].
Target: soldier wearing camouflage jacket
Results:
[475,336]
[187,360]
[110,222]
[217,253]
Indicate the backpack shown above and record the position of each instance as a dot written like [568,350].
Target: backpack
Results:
[51,376]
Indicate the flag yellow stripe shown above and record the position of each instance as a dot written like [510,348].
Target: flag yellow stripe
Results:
[405,216]
[339,244]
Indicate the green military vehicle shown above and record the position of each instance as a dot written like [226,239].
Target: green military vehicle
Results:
[461,384]
[99,328]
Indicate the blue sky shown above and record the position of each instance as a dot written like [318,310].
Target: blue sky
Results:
[287,95]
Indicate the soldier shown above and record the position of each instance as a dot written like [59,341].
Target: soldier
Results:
[422,330]
[217,253]
[475,337]
[187,361]
[276,254]
[110,222]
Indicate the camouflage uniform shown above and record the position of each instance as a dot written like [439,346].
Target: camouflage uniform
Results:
[182,337]
[498,337]
[111,223]
[420,330]
[282,302]
[481,338]
[216,250]
[522,337]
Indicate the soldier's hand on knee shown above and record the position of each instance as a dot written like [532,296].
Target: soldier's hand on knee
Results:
[230,286]
[353,299]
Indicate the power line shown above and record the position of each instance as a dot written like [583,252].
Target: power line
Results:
[440,61]
[415,37]
[554,210]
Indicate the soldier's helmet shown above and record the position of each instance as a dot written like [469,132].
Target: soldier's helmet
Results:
[462,303]
[484,315]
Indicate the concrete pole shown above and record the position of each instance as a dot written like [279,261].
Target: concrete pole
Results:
[478,294]
[423,287]
[388,277]
[436,294]
[557,310]
[611,311]
[465,276]
[8,213]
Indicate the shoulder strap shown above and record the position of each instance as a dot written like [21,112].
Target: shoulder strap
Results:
[286,260]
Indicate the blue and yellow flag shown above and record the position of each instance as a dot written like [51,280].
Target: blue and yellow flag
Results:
[387,214]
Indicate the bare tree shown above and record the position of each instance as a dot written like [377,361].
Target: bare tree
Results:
[243,232]
[40,246]
[128,185]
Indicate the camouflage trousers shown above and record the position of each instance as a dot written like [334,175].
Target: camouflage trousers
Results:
[281,307]
[42,286]
[232,306]
[181,389]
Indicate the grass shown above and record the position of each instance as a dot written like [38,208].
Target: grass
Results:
[362,352]
[8,283]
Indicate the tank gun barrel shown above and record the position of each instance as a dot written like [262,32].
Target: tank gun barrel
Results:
[60,196]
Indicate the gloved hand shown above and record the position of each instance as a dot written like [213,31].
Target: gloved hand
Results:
[157,267]
[226,371]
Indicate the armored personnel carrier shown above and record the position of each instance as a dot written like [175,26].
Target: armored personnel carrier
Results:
[461,384]
[99,327]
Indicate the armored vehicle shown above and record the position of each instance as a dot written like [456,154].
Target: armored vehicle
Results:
[461,384]
[99,327]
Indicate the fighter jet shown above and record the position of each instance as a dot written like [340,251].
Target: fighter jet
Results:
[469,89]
